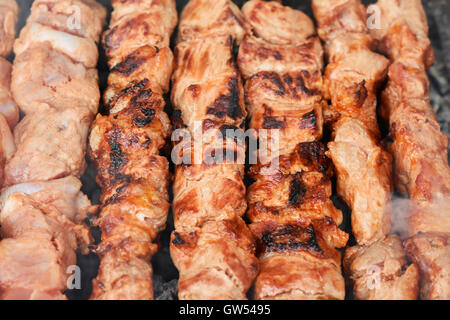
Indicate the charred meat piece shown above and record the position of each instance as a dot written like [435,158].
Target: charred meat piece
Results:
[364,169]
[82,18]
[290,209]
[211,246]
[431,252]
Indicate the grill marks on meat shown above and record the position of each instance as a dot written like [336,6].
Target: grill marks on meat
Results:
[290,209]
[206,85]
[203,18]
[419,148]
[9,11]
[212,247]
[54,82]
[376,266]
[125,145]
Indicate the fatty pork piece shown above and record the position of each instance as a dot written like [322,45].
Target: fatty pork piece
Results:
[257,55]
[166,9]
[380,271]
[81,50]
[42,74]
[206,85]
[431,252]
[131,28]
[220,17]
[82,18]
[8,108]
[299,261]
[8,20]
[38,246]
[216,261]
[63,194]
[133,215]
[276,23]
[51,145]
[364,171]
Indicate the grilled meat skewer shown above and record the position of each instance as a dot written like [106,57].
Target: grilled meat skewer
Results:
[54,82]
[125,146]
[211,246]
[419,148]
[289,206]
[377,266]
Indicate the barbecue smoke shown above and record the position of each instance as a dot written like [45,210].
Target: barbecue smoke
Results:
[402,209]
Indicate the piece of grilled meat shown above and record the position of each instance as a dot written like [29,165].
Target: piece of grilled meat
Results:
[54,81]
[211,246]
[125,146]
[419,148]
[381,272]
[9,11]
[290,210]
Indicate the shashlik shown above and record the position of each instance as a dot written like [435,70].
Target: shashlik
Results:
[291,215]
[42,206]
[211,246]
[290,209]
[125,146]
[419,148]
[363,168]
[9,11]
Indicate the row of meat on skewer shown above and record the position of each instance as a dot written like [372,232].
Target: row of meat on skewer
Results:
[263,67]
